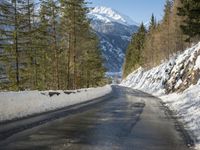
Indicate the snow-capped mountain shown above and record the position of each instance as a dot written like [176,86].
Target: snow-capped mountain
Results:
[114,31]
[108,15]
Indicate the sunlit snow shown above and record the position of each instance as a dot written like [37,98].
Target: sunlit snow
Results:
[21,104]
[185,104]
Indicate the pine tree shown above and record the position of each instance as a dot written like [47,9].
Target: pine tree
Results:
[149,51]
[50,52]
[15,33]
[68,25]
[134,57]
[4,11]
[42,60]
[49,31]
[166,28]
[190,9]
[93,71]
[79,47]
[28,46]
[178,43]
[152,23]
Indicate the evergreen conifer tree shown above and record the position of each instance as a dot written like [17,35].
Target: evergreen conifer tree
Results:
[152,23]
[16,34]
[190,9]
[134,57]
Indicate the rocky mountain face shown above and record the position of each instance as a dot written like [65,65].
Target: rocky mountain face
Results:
[114,31]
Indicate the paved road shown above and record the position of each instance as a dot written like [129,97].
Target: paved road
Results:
[130,120]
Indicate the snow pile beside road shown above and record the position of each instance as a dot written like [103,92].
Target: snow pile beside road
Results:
[186,105]
[20,104]
[180,79]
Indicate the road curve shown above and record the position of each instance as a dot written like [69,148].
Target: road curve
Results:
[130,120]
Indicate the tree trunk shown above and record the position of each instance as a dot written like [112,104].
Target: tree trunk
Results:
[74,49]
[16,48]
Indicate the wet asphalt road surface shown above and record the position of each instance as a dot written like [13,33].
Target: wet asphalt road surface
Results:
[130,120]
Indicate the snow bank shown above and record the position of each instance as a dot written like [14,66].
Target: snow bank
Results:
[21,104]
[186,105]
[180,77]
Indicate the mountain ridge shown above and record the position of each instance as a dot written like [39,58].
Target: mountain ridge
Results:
[108,14]
[114,32]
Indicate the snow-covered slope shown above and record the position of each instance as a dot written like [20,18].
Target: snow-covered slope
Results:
[114,31]
[177,74]
[20,104]
[177,82]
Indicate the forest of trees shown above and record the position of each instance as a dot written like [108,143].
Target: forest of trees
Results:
[178,29]
[48,45]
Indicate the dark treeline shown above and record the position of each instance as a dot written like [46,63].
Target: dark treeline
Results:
[179,27]
[52,47]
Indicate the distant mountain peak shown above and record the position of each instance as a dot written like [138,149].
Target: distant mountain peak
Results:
[107,15]
[114,31]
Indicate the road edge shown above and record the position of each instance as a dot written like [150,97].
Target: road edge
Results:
[12,127]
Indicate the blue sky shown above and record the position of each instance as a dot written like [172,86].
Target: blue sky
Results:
[138,10]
